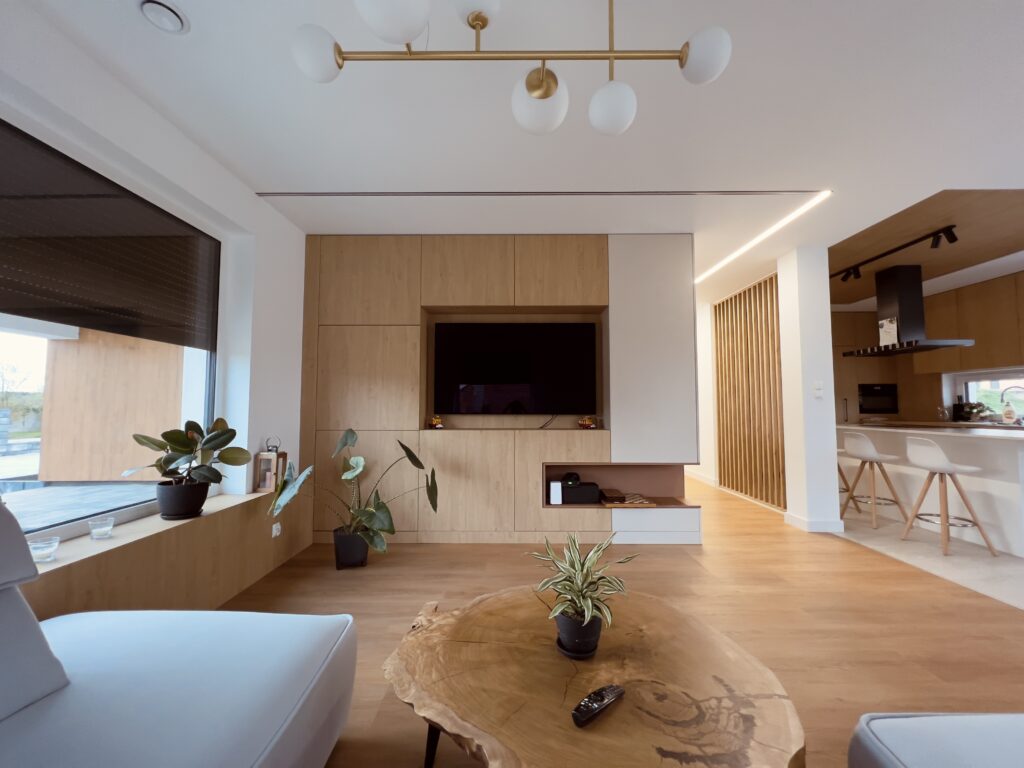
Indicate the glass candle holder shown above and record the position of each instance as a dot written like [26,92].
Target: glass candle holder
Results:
[101,528]
[44,550]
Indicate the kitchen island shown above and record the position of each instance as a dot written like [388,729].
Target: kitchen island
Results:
[995,491]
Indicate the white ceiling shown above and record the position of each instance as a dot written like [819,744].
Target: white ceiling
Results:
[883,102]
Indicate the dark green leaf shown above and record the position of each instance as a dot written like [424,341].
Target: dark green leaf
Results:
[179,441]
[432,490]
[150,442]
[356,465]
[133,470]
[348,439]
[383,520]
[288,488]
[235,457]
[375,540]
[412,457]
[221,438]
[194,430]
[219,425]
[205,456]
[206,474]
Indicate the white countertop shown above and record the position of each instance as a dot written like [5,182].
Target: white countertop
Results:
[987,433]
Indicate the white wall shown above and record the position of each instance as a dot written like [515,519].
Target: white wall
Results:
[707,470]
[652,354]
[52,89]
[808,407]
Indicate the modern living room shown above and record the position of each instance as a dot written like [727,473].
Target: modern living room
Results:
[367,400]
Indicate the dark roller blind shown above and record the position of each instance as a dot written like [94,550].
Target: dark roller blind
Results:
[78,249]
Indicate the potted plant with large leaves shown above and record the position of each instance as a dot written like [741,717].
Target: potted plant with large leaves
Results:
[188,465]
[366,518]
[582,586]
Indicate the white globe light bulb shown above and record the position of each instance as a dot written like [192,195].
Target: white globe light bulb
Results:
[708,56]
[463,8]
[313,51]
[395,21]
[536,115]
[613,108]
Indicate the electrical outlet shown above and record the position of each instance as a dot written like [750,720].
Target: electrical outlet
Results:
[275,530]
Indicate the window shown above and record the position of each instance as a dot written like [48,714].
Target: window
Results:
[108,316]
[994,389]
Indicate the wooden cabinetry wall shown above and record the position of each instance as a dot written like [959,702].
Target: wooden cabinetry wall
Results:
[751,453]
[369,305]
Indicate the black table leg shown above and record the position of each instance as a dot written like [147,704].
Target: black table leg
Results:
[433,734]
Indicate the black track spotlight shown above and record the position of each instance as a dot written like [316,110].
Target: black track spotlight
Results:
[950,235]
[856,273]
[853,272]
[937,239]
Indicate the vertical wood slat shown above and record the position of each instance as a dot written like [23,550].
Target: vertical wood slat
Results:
[751,455]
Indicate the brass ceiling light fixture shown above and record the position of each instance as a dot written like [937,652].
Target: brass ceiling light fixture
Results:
[540,101]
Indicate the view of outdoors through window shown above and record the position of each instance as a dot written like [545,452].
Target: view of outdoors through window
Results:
[995,393]
[69,405]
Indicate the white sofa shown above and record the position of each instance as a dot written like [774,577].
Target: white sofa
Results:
[166,688]
[922,740]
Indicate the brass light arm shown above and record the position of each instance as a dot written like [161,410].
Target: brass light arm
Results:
[611,39]
[563,55]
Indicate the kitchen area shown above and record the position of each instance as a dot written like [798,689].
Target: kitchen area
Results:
[928,353]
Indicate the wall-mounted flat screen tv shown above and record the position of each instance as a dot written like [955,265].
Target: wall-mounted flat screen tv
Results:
[515,368]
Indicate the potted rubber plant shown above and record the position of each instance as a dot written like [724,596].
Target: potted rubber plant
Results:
[188,459]
[366,518]
[583,586]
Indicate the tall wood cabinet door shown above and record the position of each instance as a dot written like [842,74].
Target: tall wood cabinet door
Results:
[368,377]
[561,270]
[475,479]
[468,271]
[534,448]
[379,449]
[987,313]
[373,280]
[940,322]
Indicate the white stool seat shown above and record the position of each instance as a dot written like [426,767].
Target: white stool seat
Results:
[927,454]
[859,446]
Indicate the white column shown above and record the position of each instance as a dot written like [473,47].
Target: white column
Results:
[808,410]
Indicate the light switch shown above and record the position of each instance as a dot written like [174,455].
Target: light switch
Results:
[275,531]
[819,390]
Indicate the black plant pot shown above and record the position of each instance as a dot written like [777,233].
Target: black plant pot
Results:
[181,501]
[350,550]
[576,639]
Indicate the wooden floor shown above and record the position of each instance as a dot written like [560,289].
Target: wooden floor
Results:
[846,629]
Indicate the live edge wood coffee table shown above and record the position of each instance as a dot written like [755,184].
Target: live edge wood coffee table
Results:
[490,676]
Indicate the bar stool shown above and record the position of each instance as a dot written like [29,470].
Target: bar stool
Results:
[845,487]
[927,454]
[857,445]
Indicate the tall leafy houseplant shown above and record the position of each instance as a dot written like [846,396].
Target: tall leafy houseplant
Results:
[366,518]
[188,464]
[582,587]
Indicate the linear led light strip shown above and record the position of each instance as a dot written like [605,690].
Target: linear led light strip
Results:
[780,224]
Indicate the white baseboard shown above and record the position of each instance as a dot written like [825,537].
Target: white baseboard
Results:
[814,526]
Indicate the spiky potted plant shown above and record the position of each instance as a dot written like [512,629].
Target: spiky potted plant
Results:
[187,464]
[367,518]
[582,586]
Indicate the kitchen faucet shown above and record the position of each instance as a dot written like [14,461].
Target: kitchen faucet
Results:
[1002,395]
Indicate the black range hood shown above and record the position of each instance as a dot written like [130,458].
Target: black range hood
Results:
[900,300]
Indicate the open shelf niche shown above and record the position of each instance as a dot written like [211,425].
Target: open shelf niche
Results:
[664,485]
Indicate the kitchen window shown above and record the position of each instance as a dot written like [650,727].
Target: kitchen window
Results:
[108,318]
[994,389]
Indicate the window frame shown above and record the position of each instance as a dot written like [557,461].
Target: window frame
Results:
[962,379]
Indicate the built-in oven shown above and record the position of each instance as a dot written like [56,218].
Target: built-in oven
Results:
[878,398]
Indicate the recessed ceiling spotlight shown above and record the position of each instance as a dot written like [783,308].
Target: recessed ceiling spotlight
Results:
[165,17]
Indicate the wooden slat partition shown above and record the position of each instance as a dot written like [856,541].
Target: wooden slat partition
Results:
[751,454]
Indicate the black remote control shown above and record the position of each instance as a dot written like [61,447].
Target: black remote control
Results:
[595,703]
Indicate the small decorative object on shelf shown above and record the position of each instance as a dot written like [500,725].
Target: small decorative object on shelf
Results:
[436,422]
[270,466]
[101,528]
[587,422]
[583,587]
[44,550]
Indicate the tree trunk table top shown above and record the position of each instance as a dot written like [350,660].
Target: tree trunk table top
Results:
[490,676]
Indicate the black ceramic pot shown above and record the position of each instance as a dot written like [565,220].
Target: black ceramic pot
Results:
[181,501]
[576,639]
[350,550]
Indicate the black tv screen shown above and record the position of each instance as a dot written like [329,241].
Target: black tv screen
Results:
[515,368]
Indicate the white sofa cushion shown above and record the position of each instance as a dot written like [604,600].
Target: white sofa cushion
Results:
[937,741]
[16,566]
[28,669]
[181,688]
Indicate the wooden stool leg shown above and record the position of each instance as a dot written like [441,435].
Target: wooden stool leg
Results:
[974,516]
[848,490]
[944,512]
[892,489]
[853,490]
[917,504]
[874,500]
